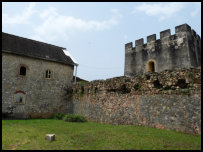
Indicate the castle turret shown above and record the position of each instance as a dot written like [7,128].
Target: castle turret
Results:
[181,50]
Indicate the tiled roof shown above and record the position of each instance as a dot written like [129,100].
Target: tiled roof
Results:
[27,47]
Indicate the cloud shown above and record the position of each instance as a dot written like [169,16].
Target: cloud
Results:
[196,9]
[22,18]
[160,10]
[55,25]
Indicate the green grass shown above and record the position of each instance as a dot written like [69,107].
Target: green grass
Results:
[30,135]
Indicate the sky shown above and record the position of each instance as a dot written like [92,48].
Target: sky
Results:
[95,33]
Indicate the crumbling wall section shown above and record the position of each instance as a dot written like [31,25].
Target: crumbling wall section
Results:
[167,100]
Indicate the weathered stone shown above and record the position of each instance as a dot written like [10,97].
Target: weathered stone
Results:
[43,97]
[155,107]
[50,137]
[181,50]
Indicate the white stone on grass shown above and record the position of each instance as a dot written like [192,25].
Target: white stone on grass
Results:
[50,137]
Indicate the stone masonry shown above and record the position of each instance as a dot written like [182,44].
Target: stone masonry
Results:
[44,97]
[181,50]
[35,78]
[170,99]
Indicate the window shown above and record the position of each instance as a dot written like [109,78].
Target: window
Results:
[23,70]
[48,74]
[19,97]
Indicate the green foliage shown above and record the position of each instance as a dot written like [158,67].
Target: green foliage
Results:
[82,89]
[139,76]
[191,75]
[82,83]
[137,86]
[58,116]
[74,118]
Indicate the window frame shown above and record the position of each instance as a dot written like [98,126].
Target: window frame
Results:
[50,74]
[149,66]
[23,70]
[23,98]
[19,68]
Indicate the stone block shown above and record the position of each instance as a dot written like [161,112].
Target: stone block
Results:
[129,45]
[182,28]
[151,38]
[139,42]
[50,137]
[165,33]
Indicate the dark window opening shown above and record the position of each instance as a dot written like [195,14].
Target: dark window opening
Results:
[48,74]
[22,71]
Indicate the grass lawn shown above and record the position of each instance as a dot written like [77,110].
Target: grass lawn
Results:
[30,135]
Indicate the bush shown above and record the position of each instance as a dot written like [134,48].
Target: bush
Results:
[74,118]
[59,116]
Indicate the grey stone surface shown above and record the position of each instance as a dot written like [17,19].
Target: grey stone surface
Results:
[165,112]
[181,50]
[148,105]
[44,97]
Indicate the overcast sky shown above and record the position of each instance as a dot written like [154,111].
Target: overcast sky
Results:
[95,34]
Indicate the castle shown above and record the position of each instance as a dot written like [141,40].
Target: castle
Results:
[34,77]
[161,87]
[181,50]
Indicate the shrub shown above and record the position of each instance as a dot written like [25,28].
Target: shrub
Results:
[74,118]
[137,87]
[58,116]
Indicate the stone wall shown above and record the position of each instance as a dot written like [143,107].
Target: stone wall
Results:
[169,100]
[181,50]
[43,97]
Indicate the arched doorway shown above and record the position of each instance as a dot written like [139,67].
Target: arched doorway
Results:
[151,66]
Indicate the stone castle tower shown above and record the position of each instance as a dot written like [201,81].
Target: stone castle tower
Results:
[181,50]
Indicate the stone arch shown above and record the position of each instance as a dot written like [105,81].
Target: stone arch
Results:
[19,97]
[151,66]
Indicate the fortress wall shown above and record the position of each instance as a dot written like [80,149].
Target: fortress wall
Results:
[168,100]
[181,50]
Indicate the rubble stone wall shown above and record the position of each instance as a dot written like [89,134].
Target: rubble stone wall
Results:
[167,100]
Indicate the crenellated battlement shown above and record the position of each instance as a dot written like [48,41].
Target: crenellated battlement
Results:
[163,35]
[182,49]
[151,38]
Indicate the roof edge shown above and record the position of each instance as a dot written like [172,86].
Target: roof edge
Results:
[39,58]
[33,40]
